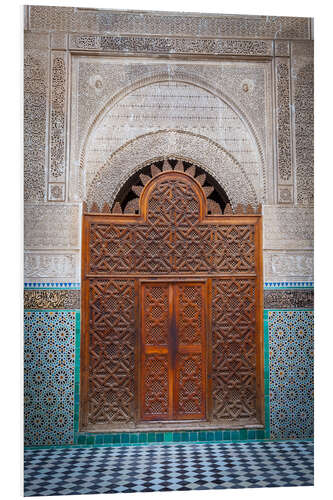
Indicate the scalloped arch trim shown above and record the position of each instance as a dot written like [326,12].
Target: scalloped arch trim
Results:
[185,145]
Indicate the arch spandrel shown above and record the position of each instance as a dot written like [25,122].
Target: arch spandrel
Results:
[124,124]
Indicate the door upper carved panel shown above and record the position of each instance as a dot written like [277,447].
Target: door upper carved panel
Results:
[171,237]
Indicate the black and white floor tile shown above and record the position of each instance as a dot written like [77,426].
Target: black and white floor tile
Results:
[200,466]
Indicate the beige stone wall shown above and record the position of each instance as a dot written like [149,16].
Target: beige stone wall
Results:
[108,91]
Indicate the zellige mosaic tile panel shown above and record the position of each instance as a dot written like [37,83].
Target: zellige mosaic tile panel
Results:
[49,377]
[291,374]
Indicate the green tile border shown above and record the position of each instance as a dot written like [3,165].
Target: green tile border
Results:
[44,447]
[86,439]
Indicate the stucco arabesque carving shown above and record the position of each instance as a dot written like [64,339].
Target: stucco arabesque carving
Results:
[184,78]
[44,18]
[185,145]
[57,146]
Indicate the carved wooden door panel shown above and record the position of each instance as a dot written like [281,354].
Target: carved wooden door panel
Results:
[173,351]
[171,310]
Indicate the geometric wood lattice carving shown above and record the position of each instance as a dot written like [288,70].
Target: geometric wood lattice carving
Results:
[111,351]
[173,365]
[233,349]
[172,239]
[171,310]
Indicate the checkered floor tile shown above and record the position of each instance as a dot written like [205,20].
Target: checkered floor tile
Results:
[168,467]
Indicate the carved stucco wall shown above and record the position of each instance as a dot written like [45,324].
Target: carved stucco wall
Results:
[243,111]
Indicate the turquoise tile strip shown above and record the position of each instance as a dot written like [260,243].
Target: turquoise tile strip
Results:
[283,285]
[268,285]
[52,286]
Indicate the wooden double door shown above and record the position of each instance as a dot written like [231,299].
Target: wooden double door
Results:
[173,350]
[171,313]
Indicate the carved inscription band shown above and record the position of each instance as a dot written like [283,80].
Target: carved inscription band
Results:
[70,299]
[141,44]
[52,299]
[288,299]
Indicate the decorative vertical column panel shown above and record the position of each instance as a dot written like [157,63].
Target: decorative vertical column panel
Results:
[36,77]
[303,95]
[57,150]
[283,133]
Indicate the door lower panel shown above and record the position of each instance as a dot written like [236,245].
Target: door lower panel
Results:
[173,351]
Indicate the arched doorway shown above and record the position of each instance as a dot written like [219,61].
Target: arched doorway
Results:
[171,307]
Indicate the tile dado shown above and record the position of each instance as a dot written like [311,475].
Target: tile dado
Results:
[288,299]
[52,342]
[290,373]
[49,360]
[52,299]
[56,333]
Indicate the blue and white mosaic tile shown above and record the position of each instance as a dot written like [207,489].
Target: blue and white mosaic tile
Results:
[291,374]
[49,377]
[57,286]
[281,285]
